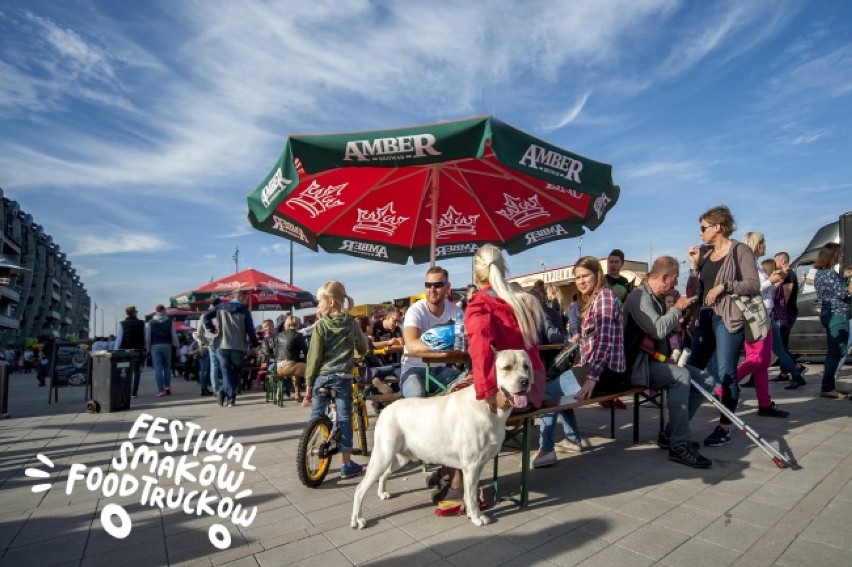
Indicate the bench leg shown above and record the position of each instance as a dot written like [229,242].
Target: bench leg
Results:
[494,490]
[635,418]
[612,419]
[523,497]
[525,462]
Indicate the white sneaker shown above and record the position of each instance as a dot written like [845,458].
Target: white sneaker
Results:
[569,446]
[544,460]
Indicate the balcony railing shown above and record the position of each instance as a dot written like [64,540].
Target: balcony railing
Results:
[13,293]
[7,322]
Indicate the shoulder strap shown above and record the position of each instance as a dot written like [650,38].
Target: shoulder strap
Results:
[739,274]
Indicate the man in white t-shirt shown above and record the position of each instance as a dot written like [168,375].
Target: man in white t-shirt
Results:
[420,317]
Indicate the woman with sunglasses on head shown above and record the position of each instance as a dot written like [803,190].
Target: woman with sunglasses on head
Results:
[833,292]
[721,268]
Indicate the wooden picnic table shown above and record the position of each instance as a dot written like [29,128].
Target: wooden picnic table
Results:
[443,357]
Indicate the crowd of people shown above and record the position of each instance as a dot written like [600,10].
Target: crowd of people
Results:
[627,334]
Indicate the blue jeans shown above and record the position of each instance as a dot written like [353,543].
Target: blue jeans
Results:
[215,370]
[204,371]
[161,356]
[785,361]
[413,382]
[723,349]
[846,350]
[555,388]
[231,362]
[342,386]
[837,338]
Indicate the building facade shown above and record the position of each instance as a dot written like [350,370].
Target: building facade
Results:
[47,296]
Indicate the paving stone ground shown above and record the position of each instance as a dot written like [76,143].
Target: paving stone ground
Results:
[614,504]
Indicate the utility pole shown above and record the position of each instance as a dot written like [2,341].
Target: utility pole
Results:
[236,258]
[580,247]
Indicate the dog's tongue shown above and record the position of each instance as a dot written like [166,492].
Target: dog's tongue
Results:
[519,400]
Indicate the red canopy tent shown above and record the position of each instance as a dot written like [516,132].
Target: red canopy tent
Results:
[267,293]
[178,314]
[183,327]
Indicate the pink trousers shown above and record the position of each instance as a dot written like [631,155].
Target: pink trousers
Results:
[758,355]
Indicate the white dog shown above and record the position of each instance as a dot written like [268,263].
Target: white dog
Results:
[454,430]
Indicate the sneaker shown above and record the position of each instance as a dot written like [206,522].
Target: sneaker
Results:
[569,446]
[687,455]
[168,391]
[772,411]
[161,393]
[718,438]
[350,469]
[795,382]
[665,442]
[440,493]
[544,460]
[230,404]
[381,386]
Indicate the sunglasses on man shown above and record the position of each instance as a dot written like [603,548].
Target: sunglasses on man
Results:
[434,285]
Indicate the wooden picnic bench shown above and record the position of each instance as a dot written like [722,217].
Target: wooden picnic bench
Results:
[521,424]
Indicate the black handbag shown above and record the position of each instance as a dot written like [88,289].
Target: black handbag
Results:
[564,360]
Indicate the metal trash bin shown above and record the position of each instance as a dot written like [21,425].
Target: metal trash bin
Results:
[112,379]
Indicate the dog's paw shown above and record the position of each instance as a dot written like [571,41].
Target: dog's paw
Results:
[384,495]
[479,520]
[358,523]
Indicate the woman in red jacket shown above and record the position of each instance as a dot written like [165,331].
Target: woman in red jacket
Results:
[499,317]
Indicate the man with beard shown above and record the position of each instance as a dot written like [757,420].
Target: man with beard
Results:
[426,313]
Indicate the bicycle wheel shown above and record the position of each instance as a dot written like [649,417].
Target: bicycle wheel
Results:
[359,427]
[312,458]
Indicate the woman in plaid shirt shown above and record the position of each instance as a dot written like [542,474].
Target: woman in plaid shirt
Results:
[601,331]
[601,358]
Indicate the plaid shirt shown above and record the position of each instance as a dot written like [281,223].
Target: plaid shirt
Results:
[602,335]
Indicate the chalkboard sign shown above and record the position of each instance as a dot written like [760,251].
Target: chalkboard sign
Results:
[69,364]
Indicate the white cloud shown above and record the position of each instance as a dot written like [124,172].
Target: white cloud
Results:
[106,243]
[569,116]
[279,248]
[809,137]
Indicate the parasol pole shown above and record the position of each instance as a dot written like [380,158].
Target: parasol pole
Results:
[433,182]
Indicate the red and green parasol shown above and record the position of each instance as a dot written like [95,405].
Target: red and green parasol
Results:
[430,192]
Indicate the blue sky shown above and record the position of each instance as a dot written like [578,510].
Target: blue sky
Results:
[133,131]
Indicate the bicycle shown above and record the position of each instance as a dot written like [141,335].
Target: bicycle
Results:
[320,440]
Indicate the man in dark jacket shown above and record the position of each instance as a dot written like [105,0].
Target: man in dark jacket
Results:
[232,323]
[646,316]
[160,339]
[131,336]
